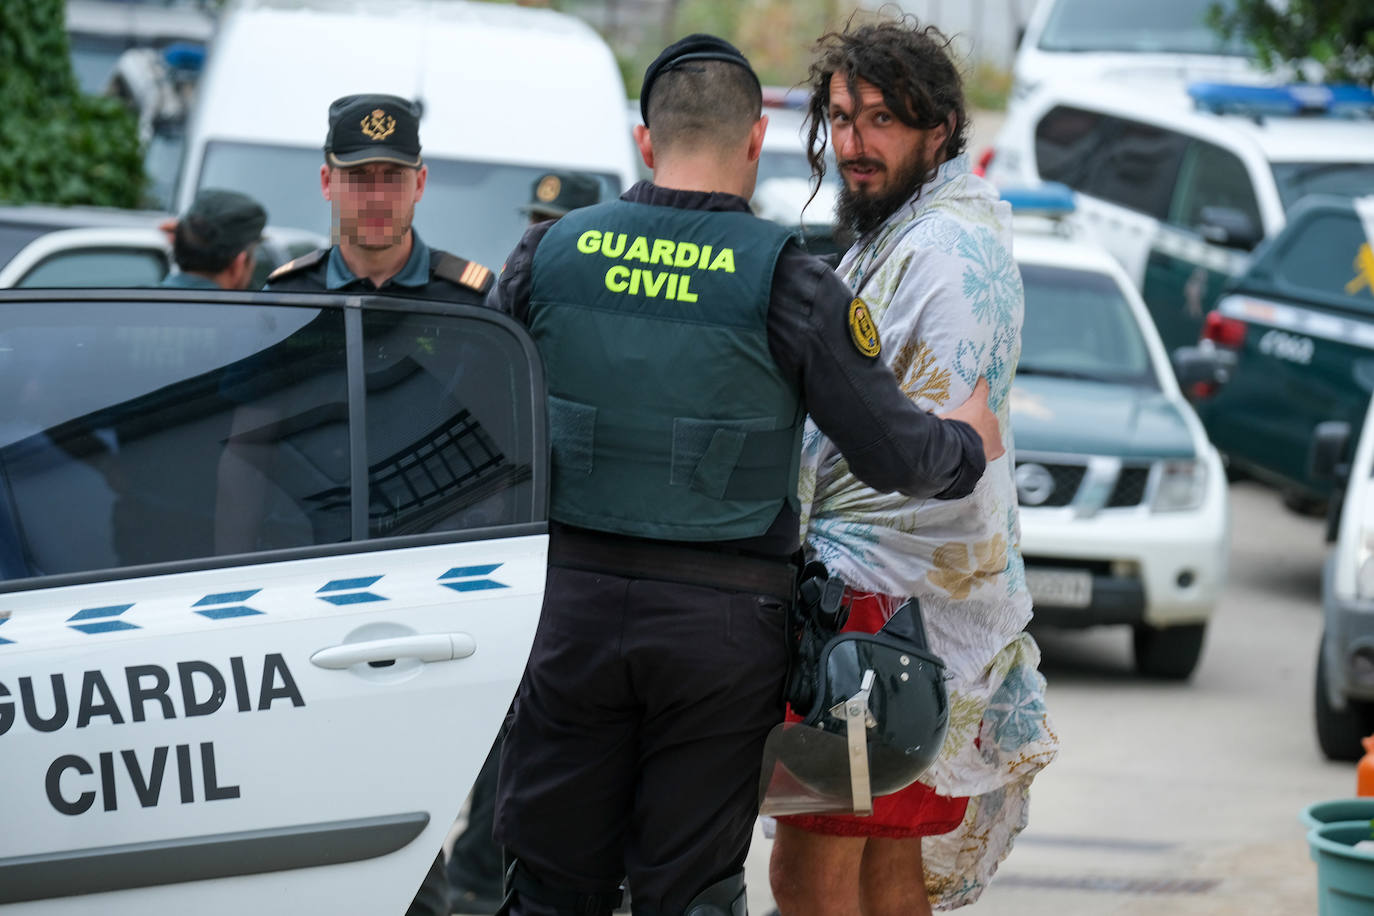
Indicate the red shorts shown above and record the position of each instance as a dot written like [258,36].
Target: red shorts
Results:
[915,811]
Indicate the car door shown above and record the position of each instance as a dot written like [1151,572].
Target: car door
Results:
[1213,222]
[85,258]
[270,567]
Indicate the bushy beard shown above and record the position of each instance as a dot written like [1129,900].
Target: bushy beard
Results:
[860,212]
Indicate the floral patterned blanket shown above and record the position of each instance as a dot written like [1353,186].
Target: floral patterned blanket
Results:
[939,280]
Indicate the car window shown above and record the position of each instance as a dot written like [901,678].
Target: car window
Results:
[1078,324]
[287,181]
[14,236]
[1161,26]
[1212,177]
[1344,179]
[1322,257]
[98,267]
[157,431]
[1066,141]
[1136,166]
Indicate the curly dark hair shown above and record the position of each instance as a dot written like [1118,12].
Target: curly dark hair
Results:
[910,64]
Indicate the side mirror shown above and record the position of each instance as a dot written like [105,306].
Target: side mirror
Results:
[1202,365]
[1326,457]
[1228,227]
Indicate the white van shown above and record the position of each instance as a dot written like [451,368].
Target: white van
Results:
[507,93]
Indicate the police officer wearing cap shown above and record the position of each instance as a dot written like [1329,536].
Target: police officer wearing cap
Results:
[555,193]
[684,341]
[215,242]
[373,177]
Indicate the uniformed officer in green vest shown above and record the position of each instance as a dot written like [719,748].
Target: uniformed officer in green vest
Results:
[684,342]
[373,177]
[214,243]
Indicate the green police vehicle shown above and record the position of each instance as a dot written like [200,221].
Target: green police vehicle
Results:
[1300,324]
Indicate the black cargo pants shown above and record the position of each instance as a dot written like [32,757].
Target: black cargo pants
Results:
[637,736]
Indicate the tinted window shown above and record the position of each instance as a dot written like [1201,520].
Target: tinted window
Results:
[1320,257]
[1136,166]
[1066,143]
[1078,324]
[471,209]
[448,425]
[1345,179]
[96,267]
[1160,26]
[148,432]
[1212,177]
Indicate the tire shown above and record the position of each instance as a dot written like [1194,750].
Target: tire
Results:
[1339,731]
[1168,653]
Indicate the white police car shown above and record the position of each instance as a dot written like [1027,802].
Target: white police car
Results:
[1089,40]
[270,567]
[1123,501]
[1344,695]
[1181,182]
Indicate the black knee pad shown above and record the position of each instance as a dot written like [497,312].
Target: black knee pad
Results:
[724,898]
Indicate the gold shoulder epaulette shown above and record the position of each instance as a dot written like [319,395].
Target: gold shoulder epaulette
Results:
[462,271]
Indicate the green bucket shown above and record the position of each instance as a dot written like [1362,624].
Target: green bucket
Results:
[1345,875]
[1338,809]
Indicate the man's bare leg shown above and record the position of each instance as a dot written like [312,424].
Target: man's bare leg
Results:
[892,880]
[816,875]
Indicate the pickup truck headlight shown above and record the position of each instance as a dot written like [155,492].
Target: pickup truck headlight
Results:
[1182,484]
[1364,566]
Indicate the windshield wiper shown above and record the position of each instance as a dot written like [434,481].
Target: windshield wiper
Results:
[1061,373]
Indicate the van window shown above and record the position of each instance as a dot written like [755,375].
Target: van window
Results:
[1136,167]
[1319,259]
[470,209]
[1344,179]
[1161,26]
[1066,141]
[1212,177]
[146,432]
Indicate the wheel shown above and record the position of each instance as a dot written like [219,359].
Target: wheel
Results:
[1302,504]
[1168,653]
[1339,731]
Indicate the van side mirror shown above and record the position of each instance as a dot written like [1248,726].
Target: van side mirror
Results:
[1202,365]
[1326,456]
[1228,227]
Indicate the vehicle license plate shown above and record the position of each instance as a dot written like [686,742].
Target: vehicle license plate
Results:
[1060,587]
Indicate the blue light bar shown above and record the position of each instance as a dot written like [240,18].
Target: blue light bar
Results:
[1048,199]
[184,55]
[1293,99]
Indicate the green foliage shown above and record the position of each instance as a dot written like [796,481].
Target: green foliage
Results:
[987,87]
[1337,34]
[60,146]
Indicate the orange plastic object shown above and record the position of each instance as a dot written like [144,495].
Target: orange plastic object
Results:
[1364,772]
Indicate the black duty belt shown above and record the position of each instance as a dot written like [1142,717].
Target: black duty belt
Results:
[644,559]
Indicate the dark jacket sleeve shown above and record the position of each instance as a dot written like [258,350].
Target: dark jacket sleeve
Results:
[511,293]
[889,442]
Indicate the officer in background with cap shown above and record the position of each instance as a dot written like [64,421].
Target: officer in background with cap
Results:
[684,341]
[555,193]
[215,242]
[373,177]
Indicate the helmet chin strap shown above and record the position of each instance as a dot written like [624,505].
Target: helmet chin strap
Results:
[857,721]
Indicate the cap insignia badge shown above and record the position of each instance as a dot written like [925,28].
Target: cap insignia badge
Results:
[379,125]
[548,188]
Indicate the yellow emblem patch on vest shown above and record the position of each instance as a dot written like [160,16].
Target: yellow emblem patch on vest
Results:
[862,330]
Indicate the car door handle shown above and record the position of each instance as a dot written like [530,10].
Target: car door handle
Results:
[433,647]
